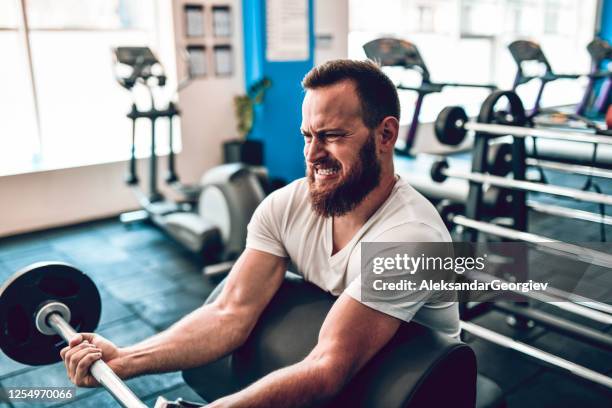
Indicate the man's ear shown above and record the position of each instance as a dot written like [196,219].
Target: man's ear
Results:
[389,130]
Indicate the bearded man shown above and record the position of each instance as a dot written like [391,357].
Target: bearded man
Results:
[351,194]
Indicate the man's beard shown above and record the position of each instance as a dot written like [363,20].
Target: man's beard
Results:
[350,192]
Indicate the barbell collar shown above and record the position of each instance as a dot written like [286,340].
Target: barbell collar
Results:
[503,182]
[99,369]
[520,131]
[43,314]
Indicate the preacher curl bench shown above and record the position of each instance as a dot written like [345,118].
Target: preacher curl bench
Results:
[45,303]
[419,367]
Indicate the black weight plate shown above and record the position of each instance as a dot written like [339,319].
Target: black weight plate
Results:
[437,171]
[500,159]
[447,210]
[25,292]
[446,128]
[514,115]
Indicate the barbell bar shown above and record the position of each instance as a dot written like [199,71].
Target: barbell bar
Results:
[546,244]
[570,213]
[536,353]
[569,168]
[99,369]
[440,171]
[452,125]
[588,309]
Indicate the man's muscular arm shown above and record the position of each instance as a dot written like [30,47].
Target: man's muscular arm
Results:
[216,329]
[350,336]
[204,335]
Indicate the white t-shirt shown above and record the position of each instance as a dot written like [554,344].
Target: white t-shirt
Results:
[285,225]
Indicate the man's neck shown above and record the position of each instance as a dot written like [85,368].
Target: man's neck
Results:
[345,227]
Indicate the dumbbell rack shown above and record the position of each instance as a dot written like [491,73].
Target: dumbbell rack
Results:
[514,219]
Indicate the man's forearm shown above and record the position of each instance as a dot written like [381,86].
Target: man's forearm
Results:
[304,384]
[202,336]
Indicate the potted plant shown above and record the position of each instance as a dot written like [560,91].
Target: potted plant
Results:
[242,149]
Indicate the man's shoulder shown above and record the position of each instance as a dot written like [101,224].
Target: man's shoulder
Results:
[410,216]
[289,196]
[297,188]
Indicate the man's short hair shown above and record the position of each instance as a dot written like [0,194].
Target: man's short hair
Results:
[376,92]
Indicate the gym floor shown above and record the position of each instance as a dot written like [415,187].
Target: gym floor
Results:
[147,282]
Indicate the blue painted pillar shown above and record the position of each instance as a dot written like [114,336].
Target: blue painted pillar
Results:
[278,118]
[606,20]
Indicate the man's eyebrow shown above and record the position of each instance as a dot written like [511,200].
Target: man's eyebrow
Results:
[324,131]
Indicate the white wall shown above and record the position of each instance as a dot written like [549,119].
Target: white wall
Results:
[331,29]
[61,197]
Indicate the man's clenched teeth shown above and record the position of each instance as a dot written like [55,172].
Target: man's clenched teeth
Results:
[327,171]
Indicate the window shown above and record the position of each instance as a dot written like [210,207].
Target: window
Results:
[468,42]
[70,111]
[426,18]
[551,16]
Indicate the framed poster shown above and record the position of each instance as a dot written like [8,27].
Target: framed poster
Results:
[194,20]
[222,21]
[197,61]
[224,64]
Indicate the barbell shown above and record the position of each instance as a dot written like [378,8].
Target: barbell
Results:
[558,248]
[47,302]
[440,171]
[452,125]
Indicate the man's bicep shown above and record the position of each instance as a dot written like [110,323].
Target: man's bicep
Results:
[253,280]
[353,333]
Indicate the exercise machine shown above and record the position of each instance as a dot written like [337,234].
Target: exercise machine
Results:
[524,52]
[211,221]
[395,52]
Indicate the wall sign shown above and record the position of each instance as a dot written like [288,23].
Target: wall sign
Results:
[287,31]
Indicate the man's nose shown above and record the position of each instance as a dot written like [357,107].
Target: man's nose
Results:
[315,150]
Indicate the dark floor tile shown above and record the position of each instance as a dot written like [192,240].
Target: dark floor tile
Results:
[97,252]
[5,272]
[574,350]
[555,390]
[182,391]
[14,246]
[152,385]
[497,321]
[161,252]
[47,376]
[134,239]
[112,227]
[197,284]
[10,367]
[135,288]
[126,333]
[106,272]
[176,266]
[96,399]
[506,367]
[143,387]
[112,310]
[21,260]
[163,310]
